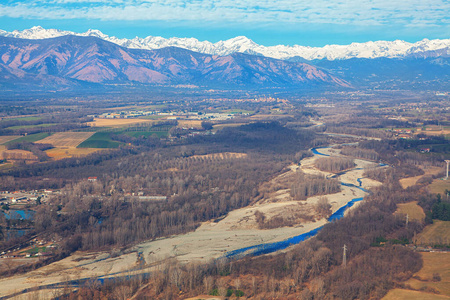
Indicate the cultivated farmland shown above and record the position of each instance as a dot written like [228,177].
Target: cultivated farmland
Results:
[7,138]
[118,122]
[431,282]
[437,233]
[66,139]
[190,123]
[99,140]
[412,209]
[439,186]
[30,138]
[66,152]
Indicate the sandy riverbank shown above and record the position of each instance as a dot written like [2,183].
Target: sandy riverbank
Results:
[211,240]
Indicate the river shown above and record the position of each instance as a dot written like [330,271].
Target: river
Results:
[266,248]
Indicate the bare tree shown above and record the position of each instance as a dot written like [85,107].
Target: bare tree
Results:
[323,207]
[208,284]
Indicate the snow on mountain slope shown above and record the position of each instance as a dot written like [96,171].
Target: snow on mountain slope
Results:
[94,60]
[389,49]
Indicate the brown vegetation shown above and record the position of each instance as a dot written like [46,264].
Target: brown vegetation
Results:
[201,189]
[66,139]
[312,269]
[224,155]
[68,152]
[281,220]
[436,234]
[17,155]
[360,153]
[373,133]
[412,209]
[323,207]
[334,164]
[7,138]
[305,186]
[118,122]
[431,282]
[439,186]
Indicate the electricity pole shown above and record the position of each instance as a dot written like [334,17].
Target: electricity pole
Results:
[407,220]
[344,256]
[448,162]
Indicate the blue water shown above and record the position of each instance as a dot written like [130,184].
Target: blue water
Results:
[315,151]
[272,247]
[359,181]
[355,186]
[19,214]
[339,214]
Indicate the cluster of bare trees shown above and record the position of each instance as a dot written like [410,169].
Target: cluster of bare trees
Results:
[310,270]
[392,174]
[109,211]
[313,270]
[323,207]
[198,186]
[281,220]
[367,132]
[36,149]
[305,186]
[62,121]
[400,151]
[334,164]
[360,153]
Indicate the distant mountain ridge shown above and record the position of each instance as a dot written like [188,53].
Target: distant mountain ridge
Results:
[377,49]
[69,60]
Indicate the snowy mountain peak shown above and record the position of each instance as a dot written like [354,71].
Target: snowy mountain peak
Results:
[371,49]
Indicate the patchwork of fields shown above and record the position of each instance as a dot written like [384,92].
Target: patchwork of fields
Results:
[118,122]
[437,233]
[425,284]
[65,152]
[99,140]
[412,209]
[439,186]
[8,138]
[66,139]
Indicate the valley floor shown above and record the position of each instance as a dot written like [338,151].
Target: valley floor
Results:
[211,240]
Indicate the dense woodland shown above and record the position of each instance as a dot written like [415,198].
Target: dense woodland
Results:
[311,270]
[198,187]
[305,186]
[334,164]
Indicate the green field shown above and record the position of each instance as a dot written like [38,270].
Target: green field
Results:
[238,111]
[136,134]
[153,117]
[99,140]
[437,233]
[439,186]
[30,138]
[24,118]
[31,126]
[36,250]
[5,166]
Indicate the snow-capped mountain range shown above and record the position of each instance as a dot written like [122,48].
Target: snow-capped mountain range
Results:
[388,49]
[73,61]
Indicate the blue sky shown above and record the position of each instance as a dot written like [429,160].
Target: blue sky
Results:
[267,22]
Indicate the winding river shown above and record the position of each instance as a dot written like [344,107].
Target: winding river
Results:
[49,282]
[266,248]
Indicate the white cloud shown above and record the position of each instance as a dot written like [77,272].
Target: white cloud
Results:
[356,12]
